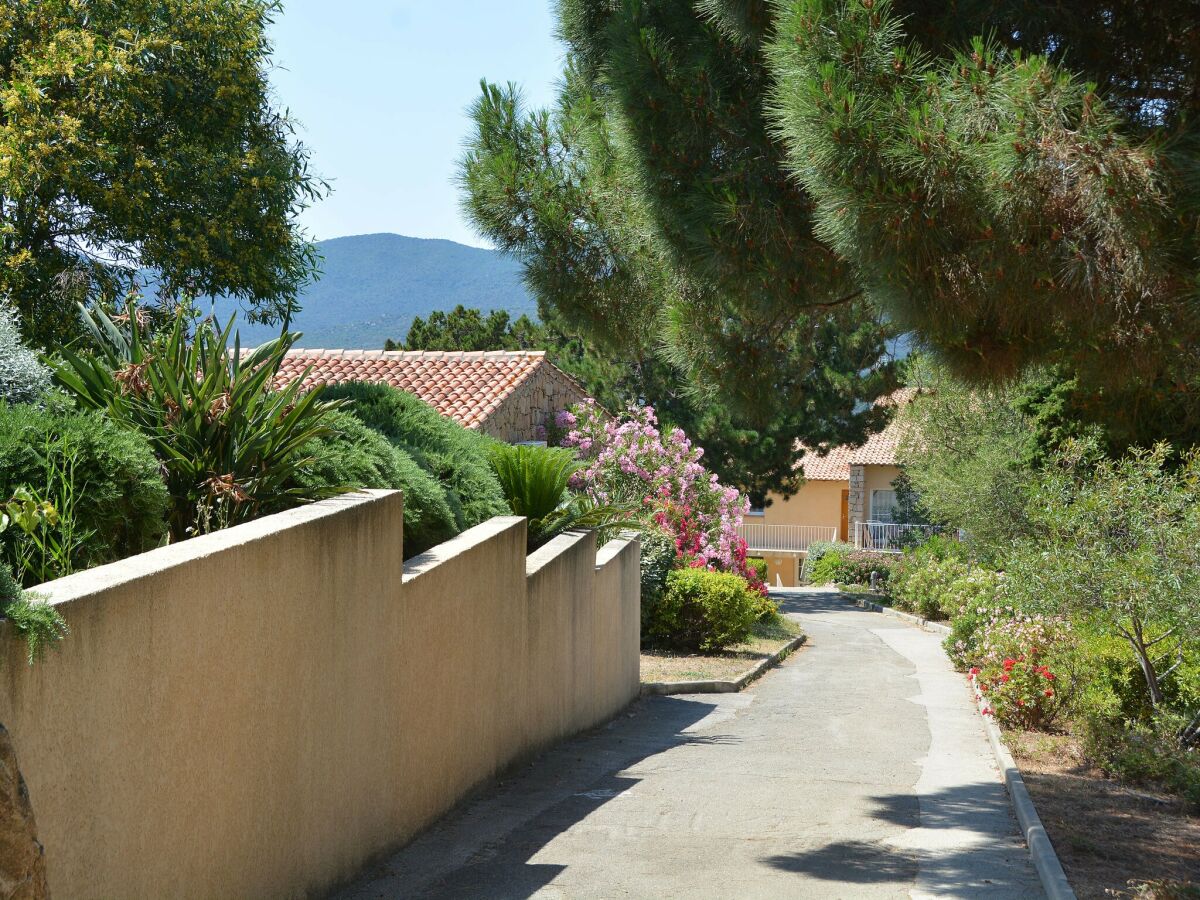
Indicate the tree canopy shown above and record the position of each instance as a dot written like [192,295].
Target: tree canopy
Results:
[772,360]
[141,136]
[1015,184]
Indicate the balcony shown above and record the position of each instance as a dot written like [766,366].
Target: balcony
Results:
[888,537]
[784,538]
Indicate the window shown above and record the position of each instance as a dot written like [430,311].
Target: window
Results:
[756,510]
[883,506]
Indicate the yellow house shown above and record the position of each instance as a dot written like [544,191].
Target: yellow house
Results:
[847,495]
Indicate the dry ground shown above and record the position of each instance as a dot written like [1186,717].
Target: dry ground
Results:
[740,658]
[1108,837]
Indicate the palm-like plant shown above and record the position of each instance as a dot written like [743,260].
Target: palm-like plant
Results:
[536,482]
[230,444]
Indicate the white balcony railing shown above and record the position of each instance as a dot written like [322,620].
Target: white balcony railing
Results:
[888,537]
[784,538]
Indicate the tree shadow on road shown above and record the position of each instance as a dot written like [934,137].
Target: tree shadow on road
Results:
[966,846]
[484,848]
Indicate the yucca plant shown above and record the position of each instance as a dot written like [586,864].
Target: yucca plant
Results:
[536,482]
[230,444]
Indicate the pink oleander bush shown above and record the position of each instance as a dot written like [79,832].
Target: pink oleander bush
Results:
[1021,669]
[631,461]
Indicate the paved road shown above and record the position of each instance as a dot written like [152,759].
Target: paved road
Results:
[858,768]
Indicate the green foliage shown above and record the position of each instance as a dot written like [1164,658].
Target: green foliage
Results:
[759,567]
[37,622]
[1117,546]
[940,171]
[352,455]
[469,329]
[1020,669]
[920,583]
[659,558]
[854,567]
[22,378]
[455,456]
[102,480]
[143,134]
[565,193]
[229,443]
[703,611]
[536,484]
[818,549]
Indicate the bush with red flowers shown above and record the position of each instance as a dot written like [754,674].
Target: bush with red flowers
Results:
[1021,671]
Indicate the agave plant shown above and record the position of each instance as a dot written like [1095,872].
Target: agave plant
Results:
[230,444]
[536,484]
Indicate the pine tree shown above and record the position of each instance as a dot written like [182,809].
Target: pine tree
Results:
[556,189]
[1007,211]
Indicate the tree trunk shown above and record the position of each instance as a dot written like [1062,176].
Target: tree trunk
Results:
[22,860]
[1148,671]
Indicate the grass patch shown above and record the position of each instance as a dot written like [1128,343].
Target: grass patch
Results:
[766,639]
[1110,838]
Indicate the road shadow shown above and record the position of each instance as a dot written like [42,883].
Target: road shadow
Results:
[812,601]
[484,847]
[961,853]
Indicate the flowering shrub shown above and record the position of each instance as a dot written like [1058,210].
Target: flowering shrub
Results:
[972,601]
[918,583]
[1019,668]
[630,461]
[854,567]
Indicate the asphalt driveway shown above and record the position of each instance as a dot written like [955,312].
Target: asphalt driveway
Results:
[858,768]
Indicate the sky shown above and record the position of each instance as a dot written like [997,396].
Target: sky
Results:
[380,89]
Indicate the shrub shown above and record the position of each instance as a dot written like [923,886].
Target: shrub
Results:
[816,550]
[659,559]
[22,378]
[34,620]
[758,567]
[229,443]
[103,478]
[1021,664]
[535,484]
[855,567]
[631,461]
[457,457]
[919,583]
[1147,753]
[704,610]
[353,455]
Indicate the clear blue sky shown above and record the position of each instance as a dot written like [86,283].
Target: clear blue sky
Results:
[380,88]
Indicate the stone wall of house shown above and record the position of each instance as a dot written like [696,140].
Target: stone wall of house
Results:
[525,414]
[260,711]
[858,497]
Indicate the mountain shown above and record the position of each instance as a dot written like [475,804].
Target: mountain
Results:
[374,284]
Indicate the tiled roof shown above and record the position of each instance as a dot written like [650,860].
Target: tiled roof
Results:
[879,449]
[464,386]
[834,466]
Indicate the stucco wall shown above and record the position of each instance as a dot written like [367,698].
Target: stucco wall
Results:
[816,503]
[258,711]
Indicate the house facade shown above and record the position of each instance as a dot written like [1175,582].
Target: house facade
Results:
[510,395]
[848,495]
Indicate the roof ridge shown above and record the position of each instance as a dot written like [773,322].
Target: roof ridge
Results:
[352,353]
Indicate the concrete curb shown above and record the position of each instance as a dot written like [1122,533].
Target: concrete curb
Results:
[1041,851]
[896,614]
[652,688]
[1045,860]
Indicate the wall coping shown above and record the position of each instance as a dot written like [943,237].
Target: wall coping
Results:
[426,562]
[145,565]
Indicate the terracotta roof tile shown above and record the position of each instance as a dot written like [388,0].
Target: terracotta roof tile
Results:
[463,386]
[879,449]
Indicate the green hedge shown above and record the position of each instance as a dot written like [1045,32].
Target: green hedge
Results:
[703,611]
[357,456]
[455,456]
[115,480]
[855,567]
